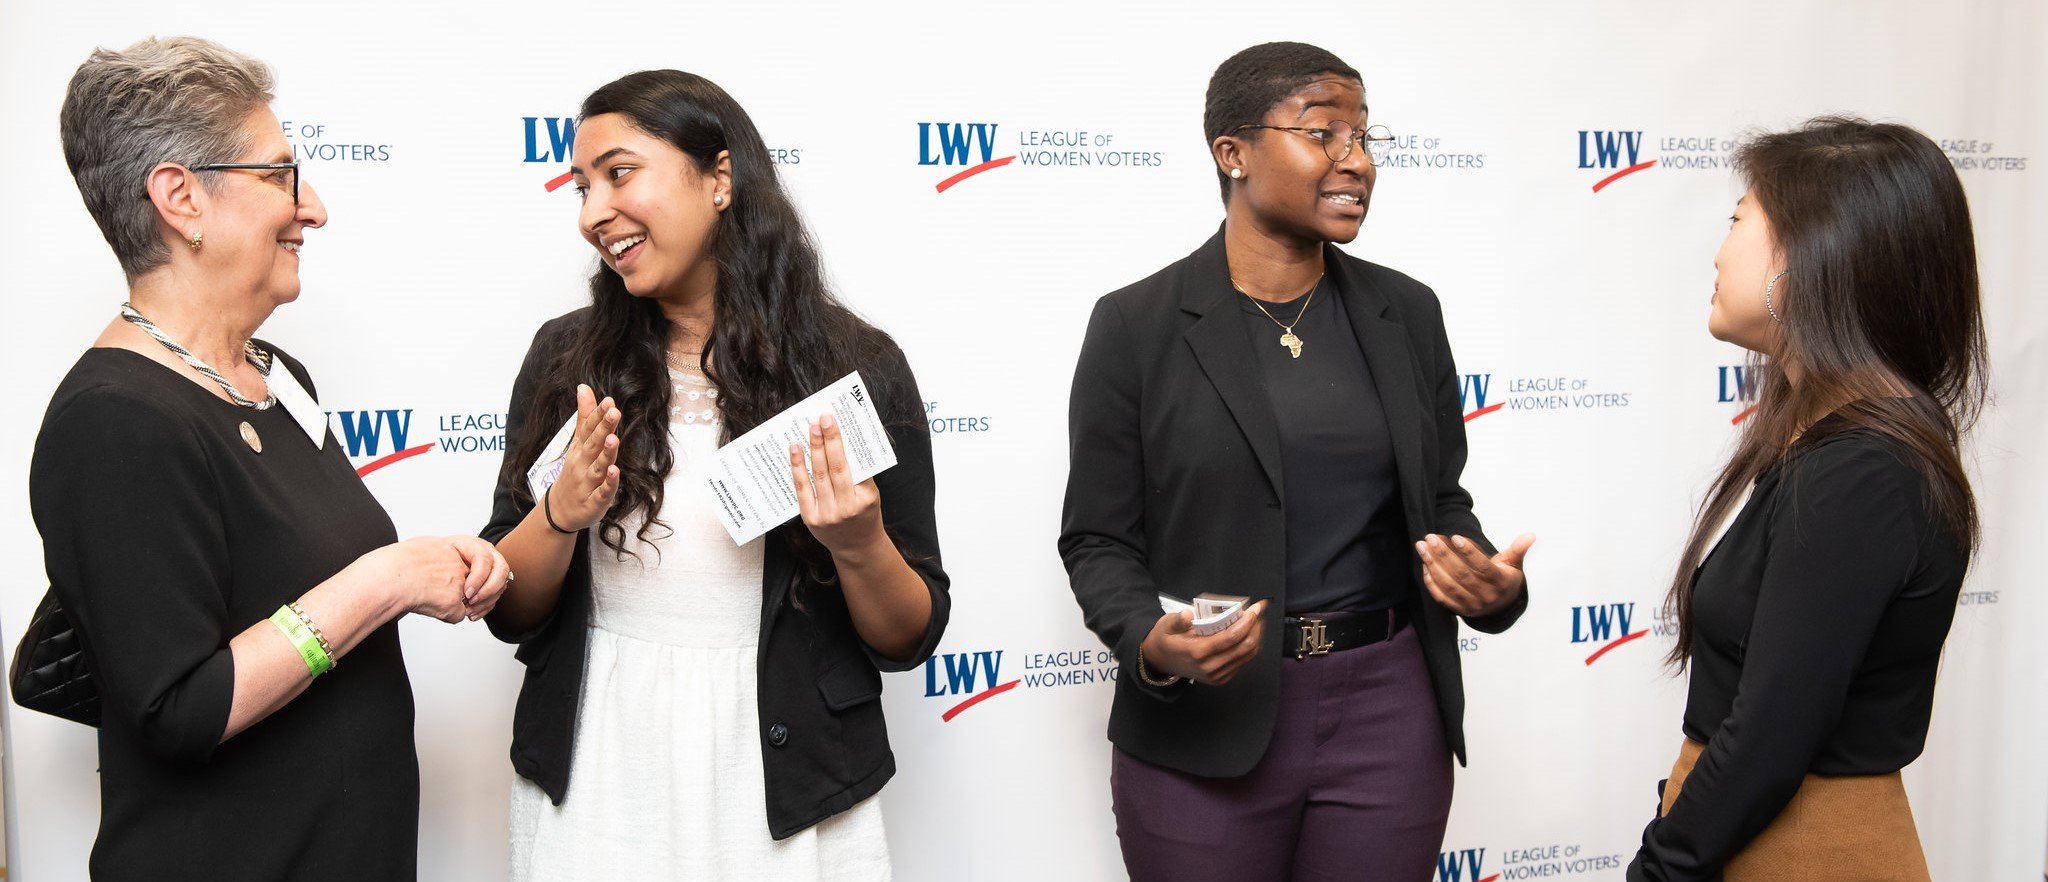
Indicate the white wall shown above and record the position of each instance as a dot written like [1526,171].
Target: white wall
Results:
[442,258]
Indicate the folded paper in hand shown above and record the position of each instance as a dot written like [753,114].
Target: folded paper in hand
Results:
[749,479]
[549,466]
[1213,612]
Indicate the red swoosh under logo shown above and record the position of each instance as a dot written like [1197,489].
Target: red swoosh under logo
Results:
[1743,415]
[1484,411]
[978,698]
[1612,644]
[557,183]
[991,164]
[1622,174]
[388,459]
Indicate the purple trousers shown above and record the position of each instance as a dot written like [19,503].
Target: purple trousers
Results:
[1356,784]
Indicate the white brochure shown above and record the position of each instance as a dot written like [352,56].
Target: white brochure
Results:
[749,478]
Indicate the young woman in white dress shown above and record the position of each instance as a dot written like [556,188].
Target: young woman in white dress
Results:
[693,708]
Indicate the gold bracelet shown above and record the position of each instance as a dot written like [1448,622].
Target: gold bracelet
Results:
[1146,675]
[332,661]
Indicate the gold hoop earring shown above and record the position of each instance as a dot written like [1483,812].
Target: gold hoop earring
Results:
[197,238]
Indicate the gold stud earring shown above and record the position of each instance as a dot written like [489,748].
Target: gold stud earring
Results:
[197,238]
[1237,173]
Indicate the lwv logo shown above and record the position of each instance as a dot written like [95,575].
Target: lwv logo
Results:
[1621,150]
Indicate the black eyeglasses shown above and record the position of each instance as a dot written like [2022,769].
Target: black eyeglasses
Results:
[257,166]
[1338,137]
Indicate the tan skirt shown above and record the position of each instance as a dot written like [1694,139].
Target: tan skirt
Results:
[1836,827]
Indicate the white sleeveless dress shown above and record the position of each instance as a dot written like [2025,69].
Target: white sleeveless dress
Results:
[666,780]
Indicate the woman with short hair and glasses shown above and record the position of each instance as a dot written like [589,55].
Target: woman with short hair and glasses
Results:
[236,587]
[1272,418]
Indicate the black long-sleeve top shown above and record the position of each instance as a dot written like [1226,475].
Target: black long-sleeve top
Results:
[1818,624]
[1347,546]
[165,535]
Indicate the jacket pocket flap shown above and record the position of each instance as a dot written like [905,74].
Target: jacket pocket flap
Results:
[848,683]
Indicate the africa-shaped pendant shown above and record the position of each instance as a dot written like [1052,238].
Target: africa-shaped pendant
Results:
[1292,343]
[249,436]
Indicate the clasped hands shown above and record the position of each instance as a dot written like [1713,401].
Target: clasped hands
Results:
[450,578]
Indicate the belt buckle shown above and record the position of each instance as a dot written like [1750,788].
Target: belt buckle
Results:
[1314,639]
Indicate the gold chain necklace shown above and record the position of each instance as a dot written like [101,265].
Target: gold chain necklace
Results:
[690,362]
[1287,337]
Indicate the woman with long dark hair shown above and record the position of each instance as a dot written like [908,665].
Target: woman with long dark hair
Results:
[1814,626]
[717,703]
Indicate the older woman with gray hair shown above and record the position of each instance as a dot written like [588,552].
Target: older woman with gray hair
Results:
[202,529]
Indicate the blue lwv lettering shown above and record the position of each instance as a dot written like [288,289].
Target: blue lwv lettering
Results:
[1736,384]
[1460,866]
[361,430]
[962,670]
[1472,390]
[1597,624]
[956,143]
[561,136]
[1604,149]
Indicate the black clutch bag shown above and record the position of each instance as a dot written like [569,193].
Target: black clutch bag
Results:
[52,672]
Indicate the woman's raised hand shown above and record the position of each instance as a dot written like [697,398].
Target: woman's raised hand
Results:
[589,480]
[845,517]
[1460,575]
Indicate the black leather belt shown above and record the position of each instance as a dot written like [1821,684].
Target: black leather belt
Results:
[1312,636]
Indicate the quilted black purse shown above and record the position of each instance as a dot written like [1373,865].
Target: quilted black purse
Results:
[52,672]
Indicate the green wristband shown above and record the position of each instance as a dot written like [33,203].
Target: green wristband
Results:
[302,637]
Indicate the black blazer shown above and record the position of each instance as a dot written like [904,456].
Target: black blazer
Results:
[824,746]
[1174,483]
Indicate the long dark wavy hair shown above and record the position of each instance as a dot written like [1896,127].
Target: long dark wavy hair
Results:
[1880,294]
[778,334]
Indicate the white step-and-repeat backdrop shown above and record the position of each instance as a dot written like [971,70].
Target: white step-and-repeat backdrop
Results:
[1561,179]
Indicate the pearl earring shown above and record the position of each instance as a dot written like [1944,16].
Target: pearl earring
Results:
[1237,173]
[718,199]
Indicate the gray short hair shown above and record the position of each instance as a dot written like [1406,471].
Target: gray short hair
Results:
[171,99]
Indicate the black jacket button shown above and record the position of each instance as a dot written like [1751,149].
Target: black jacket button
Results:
[778,735]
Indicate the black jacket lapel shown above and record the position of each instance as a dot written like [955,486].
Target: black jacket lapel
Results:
[1385,342]
[1226,357]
